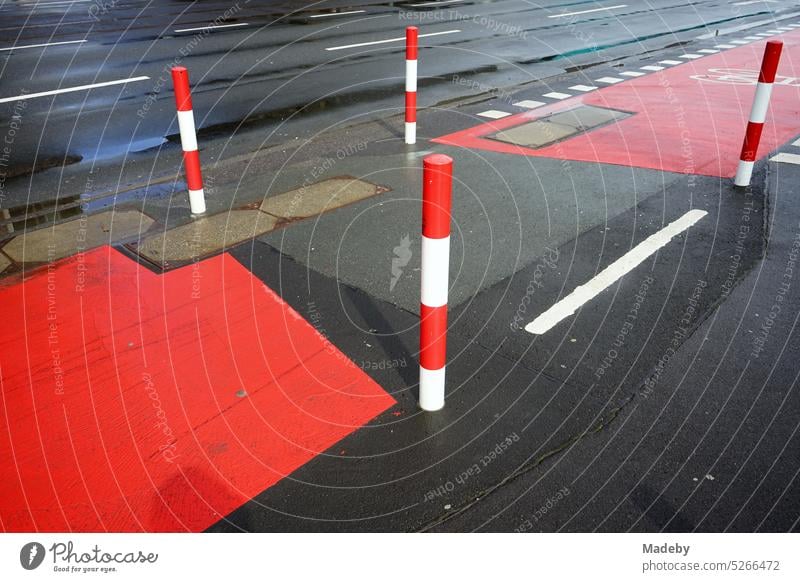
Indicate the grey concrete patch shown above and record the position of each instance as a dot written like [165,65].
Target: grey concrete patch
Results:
[69,238]
[587,117]
[205,236]
[4,263]
[506,210]
[319,197]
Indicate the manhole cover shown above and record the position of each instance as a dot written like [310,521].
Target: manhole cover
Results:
[559,126]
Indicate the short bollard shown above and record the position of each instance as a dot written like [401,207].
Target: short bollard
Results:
[411,84]
[758,114]
[191,157]
[437,187]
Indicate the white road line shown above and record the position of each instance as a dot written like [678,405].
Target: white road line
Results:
[528,104]
[587,11]
[71,89]
[583,88]
[633,74]
[739,42]
[611,274]
[27,46]
[398,39]
[724,46]
[608,80]
[796,142]
[785,158]
[211,27]
[494,114]
[652,68]
[557,95]
[670,62]
[436,3]
[691,56]
[748,2]
[708,51]
[753,37]
[336,14]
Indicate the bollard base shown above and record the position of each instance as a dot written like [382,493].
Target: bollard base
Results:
[431,389]
[197,202]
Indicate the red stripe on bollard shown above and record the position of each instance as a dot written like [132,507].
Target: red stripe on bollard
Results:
[437,195]
[751,139]
[769,65]
[411,107]
[194,176]
[183,95]
[433,337]
[412,43]
[437,187]
[412,49]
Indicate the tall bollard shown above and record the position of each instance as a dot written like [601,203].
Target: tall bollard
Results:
[412,48]
[191,157]
[758,114]
[437,187]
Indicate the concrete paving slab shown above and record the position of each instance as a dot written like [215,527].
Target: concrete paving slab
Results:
[69,238]
[321,197]
[586,117]
[205,236]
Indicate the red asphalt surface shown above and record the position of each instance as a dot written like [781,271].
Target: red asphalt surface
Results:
[119,406]
[681,123]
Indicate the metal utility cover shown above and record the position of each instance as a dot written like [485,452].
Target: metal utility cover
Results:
[559,126]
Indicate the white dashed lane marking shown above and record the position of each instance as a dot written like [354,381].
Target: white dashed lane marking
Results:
[608,80]
[557,95]
[583,88]
[528,104]
[670,63]
[46,44]
[211,27]
[785,158]
[633,74]
[652,68]
[691,56]
[494,114]
[562,15]
[611,274]
[328,14]
[71,89]
[396,39]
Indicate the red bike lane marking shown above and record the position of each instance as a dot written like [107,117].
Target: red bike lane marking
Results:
[689,118]
[121,407]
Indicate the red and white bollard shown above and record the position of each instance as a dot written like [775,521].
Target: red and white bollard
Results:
[191,156]
[758,114]
[437,188]
[412,48]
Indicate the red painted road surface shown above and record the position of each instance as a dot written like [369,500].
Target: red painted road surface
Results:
[119,409]
[688,118]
